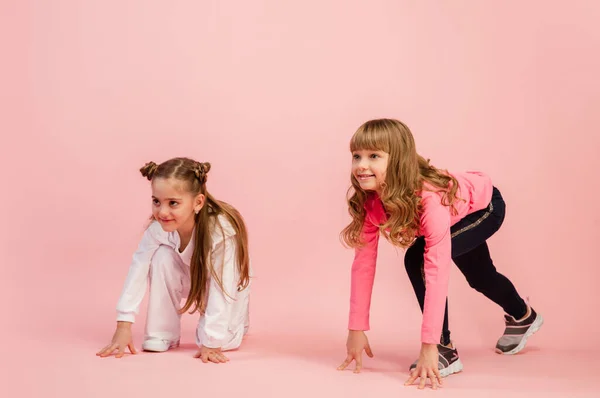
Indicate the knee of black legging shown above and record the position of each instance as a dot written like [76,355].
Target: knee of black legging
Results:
[478,284]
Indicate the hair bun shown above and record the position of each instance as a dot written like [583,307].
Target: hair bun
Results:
[205,167]
[201,171]
[148,170]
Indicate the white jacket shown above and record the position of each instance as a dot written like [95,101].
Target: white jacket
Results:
[225,314]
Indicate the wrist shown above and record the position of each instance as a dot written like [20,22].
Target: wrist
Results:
[210,348]
[123,325]
[428,346]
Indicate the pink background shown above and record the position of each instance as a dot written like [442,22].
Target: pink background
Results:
[270,92]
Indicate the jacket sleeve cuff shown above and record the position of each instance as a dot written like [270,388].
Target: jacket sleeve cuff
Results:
[125,317]
[359,324]
[203,339]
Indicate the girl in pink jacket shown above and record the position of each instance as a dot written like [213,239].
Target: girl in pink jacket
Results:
[439,217]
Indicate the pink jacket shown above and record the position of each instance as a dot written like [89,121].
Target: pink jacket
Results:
[436,220]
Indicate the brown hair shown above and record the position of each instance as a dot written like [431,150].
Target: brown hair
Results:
[194,174]
[407,175]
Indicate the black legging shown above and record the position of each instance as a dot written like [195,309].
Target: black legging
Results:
[471,255]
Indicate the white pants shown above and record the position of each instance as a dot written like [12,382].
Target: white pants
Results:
[169,284]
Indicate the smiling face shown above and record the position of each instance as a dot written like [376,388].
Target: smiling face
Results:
[369,168]
[173,206]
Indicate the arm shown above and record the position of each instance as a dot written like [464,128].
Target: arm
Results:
[362,278]
[132,295]
[212,330]
[136,282]
[435,224]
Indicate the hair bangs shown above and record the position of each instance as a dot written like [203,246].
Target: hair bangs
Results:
[371,137]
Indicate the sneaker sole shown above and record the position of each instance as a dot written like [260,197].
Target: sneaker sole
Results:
[535,326]
[455,367]
[154,349]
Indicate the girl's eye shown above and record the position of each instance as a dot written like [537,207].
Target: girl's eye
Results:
[155,202]
[173,203]
[355,156]
[374,156]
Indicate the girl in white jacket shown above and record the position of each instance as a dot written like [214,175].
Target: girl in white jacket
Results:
[194,247]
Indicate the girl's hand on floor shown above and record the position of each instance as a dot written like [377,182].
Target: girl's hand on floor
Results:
[214,355]
[427,368]
[356,343]
[121,339]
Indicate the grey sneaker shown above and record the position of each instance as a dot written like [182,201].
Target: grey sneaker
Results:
[448,361]
[517,332]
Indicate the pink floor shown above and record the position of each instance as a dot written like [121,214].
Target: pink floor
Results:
[276,363]
[292,350]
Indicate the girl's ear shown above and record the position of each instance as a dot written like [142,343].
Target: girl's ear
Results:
[199,203]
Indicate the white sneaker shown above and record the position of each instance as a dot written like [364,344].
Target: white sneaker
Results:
[156,345]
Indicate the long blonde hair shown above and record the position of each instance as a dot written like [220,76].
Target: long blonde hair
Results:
[407,175]
[194,174]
